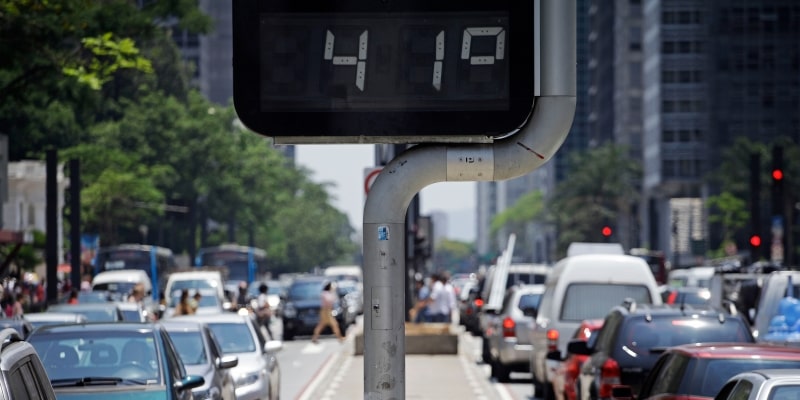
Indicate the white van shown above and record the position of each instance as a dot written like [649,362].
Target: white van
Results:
[340,272]
[193,280]
[584,287]
[122,282]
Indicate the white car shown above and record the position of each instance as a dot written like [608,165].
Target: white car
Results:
[257,375]
[762,384]
[194,280]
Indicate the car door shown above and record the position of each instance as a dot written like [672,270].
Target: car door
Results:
[175,370]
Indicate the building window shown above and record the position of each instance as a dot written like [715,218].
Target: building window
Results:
[668,169]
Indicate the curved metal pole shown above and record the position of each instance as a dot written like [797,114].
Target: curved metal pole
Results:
[410,172]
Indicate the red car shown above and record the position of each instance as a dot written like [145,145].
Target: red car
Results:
[699,371]
[569,370]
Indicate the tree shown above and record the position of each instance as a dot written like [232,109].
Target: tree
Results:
[600,188]
[454,256]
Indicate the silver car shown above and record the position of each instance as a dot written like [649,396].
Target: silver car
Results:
[509,342]
[257,376]
[202,355]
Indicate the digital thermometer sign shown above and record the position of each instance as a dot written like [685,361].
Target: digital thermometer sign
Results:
[379,69]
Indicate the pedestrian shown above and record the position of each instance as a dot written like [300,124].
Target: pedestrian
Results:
[137,293]
[18,308]
[241,298]
[420,312]
[264,312]
[328,299]
[195,301]
[440,300]
[184,307]
[73,297]
[452,298]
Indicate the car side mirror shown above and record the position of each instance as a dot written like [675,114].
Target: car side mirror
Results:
[189,382]
[622,392]
[578,346]
[226,362]
[273,346]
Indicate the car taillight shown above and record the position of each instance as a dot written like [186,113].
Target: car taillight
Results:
[508,327]
[478,303]
[573,368]
[609,377]
[552,340]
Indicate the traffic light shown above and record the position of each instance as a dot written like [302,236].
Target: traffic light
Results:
[755,206]
[777,176]
[606,231]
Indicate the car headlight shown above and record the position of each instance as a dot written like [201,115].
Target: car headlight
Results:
[248,379]
[289,311]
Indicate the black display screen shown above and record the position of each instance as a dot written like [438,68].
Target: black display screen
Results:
[369,68]
[387,62]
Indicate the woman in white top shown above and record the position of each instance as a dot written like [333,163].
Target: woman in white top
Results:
[326,318]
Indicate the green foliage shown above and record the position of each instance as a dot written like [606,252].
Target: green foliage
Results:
[601,186]
[108,55]
[102,82]
[454,256]
[729,211]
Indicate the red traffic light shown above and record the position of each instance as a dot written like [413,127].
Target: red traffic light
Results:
[755,240]
[777,174]
[606,231]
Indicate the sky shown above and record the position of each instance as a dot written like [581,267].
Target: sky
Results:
[344,165]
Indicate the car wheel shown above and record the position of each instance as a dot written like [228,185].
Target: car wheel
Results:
[500,372]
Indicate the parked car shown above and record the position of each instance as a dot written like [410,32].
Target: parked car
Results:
[94,312]
[762,384]
[632,337]
[22,375]
[580,287]
[302,304]
[113,360]
[566,376]
[699,371]
[202,355]
[53,318]
[510,348]
[257,375]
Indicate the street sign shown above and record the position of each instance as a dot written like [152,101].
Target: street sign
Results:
[370,71]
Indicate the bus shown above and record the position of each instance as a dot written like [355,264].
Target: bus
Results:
[156,261]
[244,263]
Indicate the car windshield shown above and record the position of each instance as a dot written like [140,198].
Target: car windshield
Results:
[128,355]
[190,347]
[92,314]
[206,300]
[529,301]
[305,290]
[233,337]
[118,287]
[191,284]
[594,300]
[711,374]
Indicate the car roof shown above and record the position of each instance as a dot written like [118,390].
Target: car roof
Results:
[52,316]
[172,324]
[209,318]
[736,350]
[98,327]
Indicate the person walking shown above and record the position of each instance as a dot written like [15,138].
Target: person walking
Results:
[184,306]
[264,312]
[326,318]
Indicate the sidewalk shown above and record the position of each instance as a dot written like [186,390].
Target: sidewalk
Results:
[428,377]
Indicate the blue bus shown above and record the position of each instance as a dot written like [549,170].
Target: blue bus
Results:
[156,261]
[244,263]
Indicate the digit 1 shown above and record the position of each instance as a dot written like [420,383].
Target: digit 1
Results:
[437,64]
[499,49]
[360,62]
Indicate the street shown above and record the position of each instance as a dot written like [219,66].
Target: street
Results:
[329,368]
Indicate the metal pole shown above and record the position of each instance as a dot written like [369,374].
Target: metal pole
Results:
[410,172]
[51,224]
[75,222]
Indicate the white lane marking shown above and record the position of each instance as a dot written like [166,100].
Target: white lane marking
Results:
[312,348]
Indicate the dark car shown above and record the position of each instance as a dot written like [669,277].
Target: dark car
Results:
[699,371]
[22,375]
[302,304]
[632,337]
[202,355]
[113,360]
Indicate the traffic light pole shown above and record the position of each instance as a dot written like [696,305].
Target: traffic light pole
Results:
[420,166]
